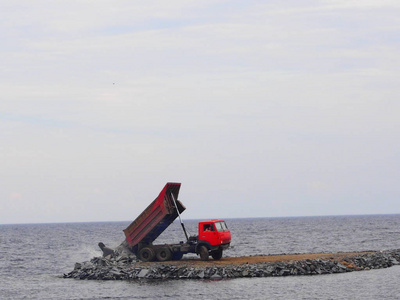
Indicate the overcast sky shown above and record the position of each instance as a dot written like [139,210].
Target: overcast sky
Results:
[259,108]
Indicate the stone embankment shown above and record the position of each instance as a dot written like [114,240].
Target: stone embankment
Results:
[127,268]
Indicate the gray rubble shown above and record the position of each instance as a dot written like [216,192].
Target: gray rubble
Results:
[125,267]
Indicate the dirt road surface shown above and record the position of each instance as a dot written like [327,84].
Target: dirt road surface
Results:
[257,259]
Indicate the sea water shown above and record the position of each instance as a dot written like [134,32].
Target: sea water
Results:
[33,258]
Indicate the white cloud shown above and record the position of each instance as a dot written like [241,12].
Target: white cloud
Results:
[273,101]
[354,4]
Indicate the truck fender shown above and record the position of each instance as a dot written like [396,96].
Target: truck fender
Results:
[202,243]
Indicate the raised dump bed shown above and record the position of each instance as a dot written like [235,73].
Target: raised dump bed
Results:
[155,218]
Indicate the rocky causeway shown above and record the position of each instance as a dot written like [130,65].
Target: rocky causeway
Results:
[127,267]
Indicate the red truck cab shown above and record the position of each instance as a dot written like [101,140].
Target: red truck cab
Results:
[214,237]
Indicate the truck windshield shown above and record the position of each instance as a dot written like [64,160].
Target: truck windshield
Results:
[221,226]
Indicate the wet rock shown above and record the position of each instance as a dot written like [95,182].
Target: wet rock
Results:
[106,251]
[200,274]
[119,267]
[143,273]
[216,276]
[394,261]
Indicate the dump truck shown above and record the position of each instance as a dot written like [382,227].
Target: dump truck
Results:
[212,239]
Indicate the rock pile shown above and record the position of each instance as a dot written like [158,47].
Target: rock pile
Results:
[126,267]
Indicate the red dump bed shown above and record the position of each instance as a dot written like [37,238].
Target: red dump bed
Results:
[156,217]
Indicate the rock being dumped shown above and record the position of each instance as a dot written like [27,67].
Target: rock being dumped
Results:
[123,265]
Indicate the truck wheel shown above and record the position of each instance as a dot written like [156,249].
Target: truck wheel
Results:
[203,251]
[217,254]
[146,254]
[177,256]
[163,254]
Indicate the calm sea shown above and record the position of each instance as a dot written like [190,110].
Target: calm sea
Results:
[34,257]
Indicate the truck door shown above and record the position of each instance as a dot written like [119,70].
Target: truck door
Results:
[209,234]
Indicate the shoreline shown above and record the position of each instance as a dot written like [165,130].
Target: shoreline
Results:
[127,268]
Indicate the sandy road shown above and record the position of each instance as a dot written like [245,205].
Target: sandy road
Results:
[257,259]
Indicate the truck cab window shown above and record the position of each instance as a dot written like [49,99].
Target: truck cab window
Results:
[208,227]
[221,226]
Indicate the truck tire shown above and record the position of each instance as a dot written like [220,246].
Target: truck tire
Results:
[163,254]
[146,254]
[217,254]
[203,251]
